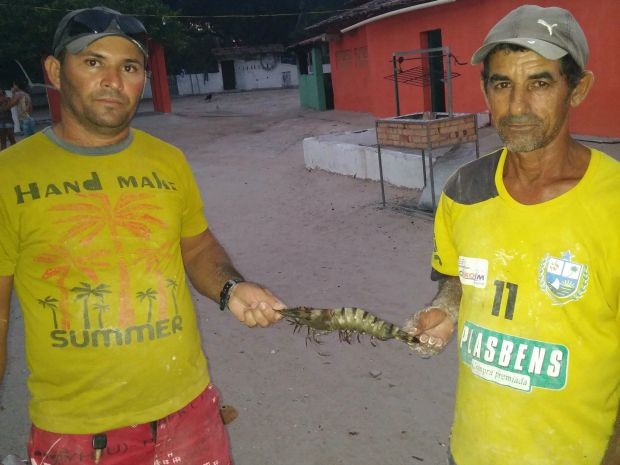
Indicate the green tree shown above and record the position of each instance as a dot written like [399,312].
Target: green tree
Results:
[222,23]
[187,29]
[292,17]
[27,30]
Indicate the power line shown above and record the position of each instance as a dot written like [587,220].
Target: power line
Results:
[176,16]
[267,15]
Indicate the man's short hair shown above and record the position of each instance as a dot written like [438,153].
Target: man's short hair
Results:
[568,66]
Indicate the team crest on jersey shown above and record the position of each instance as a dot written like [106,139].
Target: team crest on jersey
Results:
[563,279]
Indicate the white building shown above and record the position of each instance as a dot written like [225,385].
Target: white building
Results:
[243,68]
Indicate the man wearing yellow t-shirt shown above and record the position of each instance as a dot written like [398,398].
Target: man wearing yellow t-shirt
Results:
[526,255]
[99,226]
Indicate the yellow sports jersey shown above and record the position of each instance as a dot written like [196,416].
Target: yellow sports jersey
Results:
[92,237]
[539,323]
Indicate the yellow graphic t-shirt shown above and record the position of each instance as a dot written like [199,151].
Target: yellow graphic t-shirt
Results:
[92,237]
[539,321]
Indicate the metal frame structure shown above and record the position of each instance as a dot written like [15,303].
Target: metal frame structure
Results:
[427,148]
[447,74]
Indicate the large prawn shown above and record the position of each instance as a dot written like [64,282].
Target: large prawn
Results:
[348,321]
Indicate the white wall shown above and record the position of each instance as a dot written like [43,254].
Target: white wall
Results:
[249,75]
[193,84]
[339,153]
[202,83]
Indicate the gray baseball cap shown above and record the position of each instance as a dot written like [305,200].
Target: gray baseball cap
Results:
[551,32]
[80,28]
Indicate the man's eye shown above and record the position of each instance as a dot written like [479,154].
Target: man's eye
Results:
[91,62]
[502,85]
[541,84]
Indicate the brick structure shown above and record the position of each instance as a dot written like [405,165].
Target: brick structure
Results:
[425,131]
[414,132]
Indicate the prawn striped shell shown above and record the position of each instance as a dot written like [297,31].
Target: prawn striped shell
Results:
[348,321]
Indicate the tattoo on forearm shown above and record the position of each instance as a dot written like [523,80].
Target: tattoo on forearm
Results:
[225,271]
[448,297]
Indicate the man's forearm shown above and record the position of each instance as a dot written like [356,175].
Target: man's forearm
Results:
[4,324]
[207,264]
[448,297]
[6,285]
[612,456]
[209,274]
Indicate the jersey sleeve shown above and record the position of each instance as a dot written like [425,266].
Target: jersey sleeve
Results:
[444,260]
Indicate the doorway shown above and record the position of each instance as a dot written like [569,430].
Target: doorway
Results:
[228,75]
[434,92]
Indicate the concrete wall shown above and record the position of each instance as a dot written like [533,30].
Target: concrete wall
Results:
[341,154]
[202,83]
[250,75]
[361,59]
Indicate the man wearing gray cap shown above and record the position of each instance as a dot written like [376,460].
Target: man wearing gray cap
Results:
[99,226]
[526,255]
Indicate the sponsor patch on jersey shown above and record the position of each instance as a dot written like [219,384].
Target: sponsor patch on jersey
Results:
[563,279]
[473,271]
[511,361]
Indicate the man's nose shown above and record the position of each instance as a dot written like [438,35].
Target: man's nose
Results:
[519,103]
[112,78]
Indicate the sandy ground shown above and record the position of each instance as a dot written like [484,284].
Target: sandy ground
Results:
[316,239]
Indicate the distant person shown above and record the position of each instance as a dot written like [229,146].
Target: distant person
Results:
[23,104]
[7,125]
[526,254]
[101,231]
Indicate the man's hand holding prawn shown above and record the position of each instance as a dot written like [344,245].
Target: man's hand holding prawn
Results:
[254,305]
[435,324]
[434,328]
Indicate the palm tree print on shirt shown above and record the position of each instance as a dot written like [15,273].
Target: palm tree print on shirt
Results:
[62,261]
[101,308]
[93,216]
[84,292]
[153,258]
[172,284]
[151,295]
[50,302]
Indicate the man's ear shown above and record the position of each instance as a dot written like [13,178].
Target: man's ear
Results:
[52,68]
[580,92]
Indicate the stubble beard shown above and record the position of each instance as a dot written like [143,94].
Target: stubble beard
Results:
[524,142]
[106,122]
[102,121]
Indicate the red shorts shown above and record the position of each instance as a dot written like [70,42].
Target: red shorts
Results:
[195,435]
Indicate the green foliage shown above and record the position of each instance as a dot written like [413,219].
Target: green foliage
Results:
[27,28]
[222,23]
[256,28]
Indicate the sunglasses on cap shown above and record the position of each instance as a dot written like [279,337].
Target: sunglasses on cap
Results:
[95,21]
